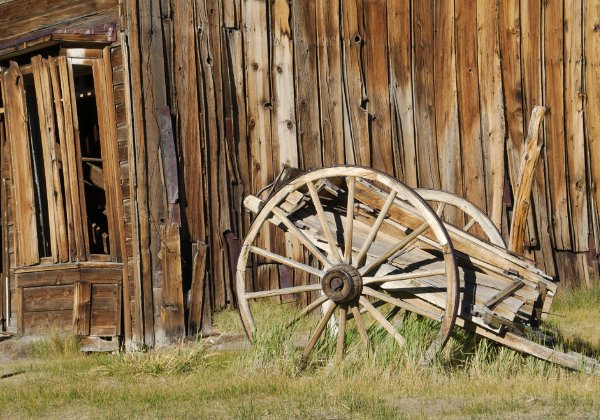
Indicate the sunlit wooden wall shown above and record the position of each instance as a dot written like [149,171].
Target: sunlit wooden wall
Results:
[437,93]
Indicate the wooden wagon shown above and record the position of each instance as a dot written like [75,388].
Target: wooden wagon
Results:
[371,239]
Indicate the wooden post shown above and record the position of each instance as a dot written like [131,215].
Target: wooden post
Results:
[533,148]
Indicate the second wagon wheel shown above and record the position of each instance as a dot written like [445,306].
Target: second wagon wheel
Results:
[343,218]
[475,217]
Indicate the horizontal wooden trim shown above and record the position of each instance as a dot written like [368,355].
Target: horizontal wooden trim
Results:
[102,34]
[82,52]
[64,274]
[68,266]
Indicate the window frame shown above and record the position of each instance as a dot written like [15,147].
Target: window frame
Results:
[59,130]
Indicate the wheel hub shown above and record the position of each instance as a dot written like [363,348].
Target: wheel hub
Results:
[342,283]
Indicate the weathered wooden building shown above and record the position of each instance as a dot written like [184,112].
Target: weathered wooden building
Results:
[131,130]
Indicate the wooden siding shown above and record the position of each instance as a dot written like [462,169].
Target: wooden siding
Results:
[26,18]
[437,93]
[212,97]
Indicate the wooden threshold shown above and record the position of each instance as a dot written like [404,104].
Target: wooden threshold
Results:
[69,266]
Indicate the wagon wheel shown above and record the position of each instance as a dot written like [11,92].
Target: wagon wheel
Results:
[476,217]
[349,272]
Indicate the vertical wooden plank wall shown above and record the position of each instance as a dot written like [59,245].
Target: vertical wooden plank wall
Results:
[437,92]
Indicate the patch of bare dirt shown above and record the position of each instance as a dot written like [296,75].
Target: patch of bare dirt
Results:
[14,348]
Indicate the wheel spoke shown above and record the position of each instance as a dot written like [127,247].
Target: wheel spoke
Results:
[323,220]
[320,328]
[396,248]
[469,225]
[401,303]
[280,214]
[382,321]
[349,220]
[286,261]
[284,291]
[308,309]
[360,325]
[341,335]
[375,228]
[440,209]
[393,312]
[404,276]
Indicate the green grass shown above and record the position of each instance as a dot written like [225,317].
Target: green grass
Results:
[471,378]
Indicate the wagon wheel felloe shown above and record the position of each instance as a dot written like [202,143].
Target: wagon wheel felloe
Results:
[341,215]
[475,217]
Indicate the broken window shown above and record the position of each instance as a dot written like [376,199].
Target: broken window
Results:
[63,155]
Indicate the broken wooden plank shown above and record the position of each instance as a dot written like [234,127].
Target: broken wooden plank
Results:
[197,288]
[532,151]
[25,219]
[171,306]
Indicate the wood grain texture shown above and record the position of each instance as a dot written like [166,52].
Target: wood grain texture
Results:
[355,96]
[446,106]
[529,161]
[423,53]
[306,83]
[574,126]
[330,81]
[492,107]
[473,169]
[554,128]
[284,112]
[437,93]
[592,107]
[172,309]
[510,46]
[401,91]
[375,63]
[25,220]
[186,108]
[20,18]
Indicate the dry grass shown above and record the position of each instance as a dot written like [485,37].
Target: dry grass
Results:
[472,378]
